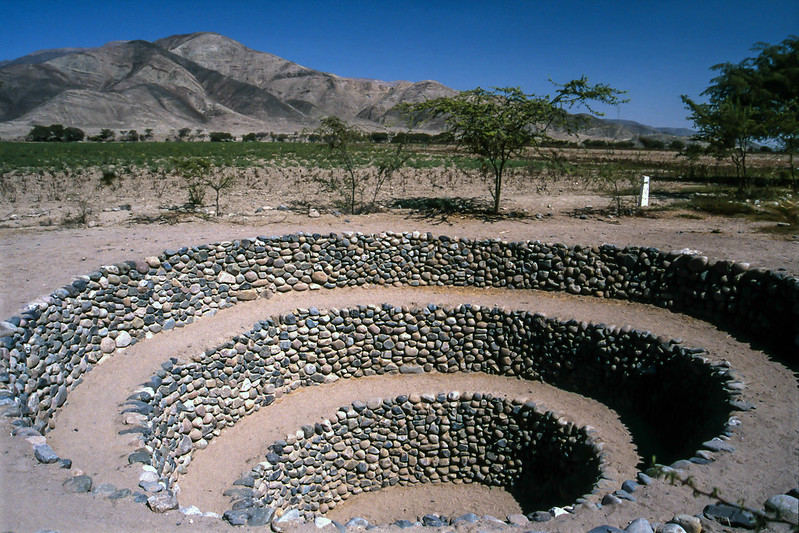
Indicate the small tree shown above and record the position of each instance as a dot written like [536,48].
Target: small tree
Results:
[220,181]
[499,124]
[691,153]
[617,180]
[194,171]
[358,162]
[730,129]
[389,161]
[340,138]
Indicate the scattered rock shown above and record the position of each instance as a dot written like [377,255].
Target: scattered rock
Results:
[357,522]
[78,484]
[518,520]
[45,454]
[639,525]
[605,529]
[162,502]
[730,515]
[610,499]
[260,516]
[690,524]
[785,507]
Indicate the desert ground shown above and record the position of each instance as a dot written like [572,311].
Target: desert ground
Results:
[48,240]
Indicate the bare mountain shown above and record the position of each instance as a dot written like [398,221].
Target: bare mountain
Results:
[210,82]
[200,80]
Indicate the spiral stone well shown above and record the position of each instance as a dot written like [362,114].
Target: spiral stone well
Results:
[47,349]
[454,437]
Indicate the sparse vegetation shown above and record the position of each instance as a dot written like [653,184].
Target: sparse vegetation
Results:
[194,171]
[361,163]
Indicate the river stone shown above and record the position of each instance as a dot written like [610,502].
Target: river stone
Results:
[236,517]
[469,518]
[78,484]
[672,528]
[104,489]
[162,502]
[730,515]
[45,454]
[431,520]
[639,525]
[191,510]
[716,444]
[629,486]
[139,456]
[107,345]
[321,522]
[690,524]
[260,516]
[123,339]
[357,522]
[226,278]
[518,520]
[785,507]
[610,499]
[289,519]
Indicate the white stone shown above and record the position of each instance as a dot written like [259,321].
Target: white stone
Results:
[123,339]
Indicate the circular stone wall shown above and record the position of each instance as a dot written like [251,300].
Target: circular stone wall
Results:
[454,437]
[660,388]
[45,351]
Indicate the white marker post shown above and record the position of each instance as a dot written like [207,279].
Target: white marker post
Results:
[644,191]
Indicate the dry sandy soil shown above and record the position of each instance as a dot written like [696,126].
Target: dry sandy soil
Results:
[35,260]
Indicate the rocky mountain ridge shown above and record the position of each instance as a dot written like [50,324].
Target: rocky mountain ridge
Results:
[202,81]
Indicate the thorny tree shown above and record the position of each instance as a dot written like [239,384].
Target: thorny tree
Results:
[499,124]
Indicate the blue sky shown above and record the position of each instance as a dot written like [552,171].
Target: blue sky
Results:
[656,50]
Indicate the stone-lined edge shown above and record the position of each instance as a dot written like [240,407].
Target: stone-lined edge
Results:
[45,350]
[184,406]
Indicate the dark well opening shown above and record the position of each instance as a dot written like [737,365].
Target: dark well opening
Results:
[469,437]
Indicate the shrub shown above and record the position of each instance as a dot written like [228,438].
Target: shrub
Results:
[651,144]
[676,145]
[220,136]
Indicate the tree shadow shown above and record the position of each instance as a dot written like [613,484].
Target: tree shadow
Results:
[439,210]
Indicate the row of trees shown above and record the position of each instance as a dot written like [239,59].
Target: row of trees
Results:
[756,100]
[61,133]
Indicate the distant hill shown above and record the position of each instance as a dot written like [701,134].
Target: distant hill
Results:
[200,80]
[204,81]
